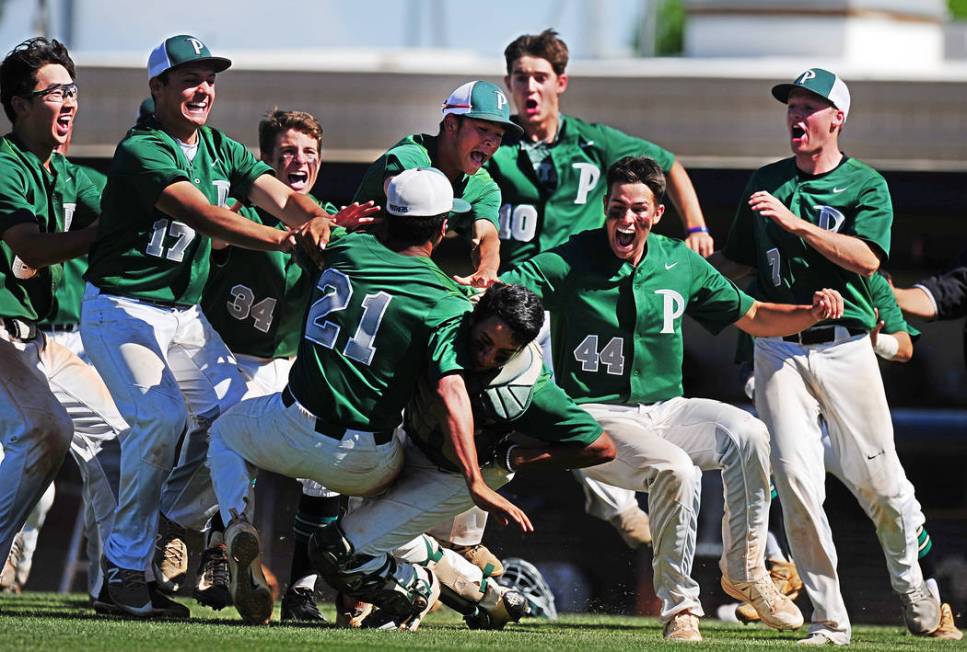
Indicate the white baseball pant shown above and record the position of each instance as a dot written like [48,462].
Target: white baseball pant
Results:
[264,376]
[262,433]
[53,402]
[162,365]
[662,449]
[841,382]
[420,498]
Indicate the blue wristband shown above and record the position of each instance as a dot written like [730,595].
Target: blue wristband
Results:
[696,229]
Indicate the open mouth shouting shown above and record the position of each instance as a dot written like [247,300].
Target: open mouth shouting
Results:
[798,133]
[477,157]
[62,126]
[624,238]
[297,180]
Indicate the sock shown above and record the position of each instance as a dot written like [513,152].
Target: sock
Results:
[924,552]
[313,513]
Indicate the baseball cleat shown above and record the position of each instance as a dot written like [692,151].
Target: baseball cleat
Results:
[634,527]
[8,576]
[213,587]
[164,607]
[480,556]
[682,627]
[250,592]
[775,609]
[921,611]
[350,612]
[948,627]
[390,618]
[127,589]
[170,561]
[299,605]
[816,639]
[787,581]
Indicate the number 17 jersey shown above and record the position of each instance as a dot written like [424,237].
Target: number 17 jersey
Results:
[378,323]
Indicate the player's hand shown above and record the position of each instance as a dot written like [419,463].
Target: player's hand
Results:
[313,236]
[499,507]
[876,329]
[356,215]
[701,243]
[827,304]
[482,278]
[768,206]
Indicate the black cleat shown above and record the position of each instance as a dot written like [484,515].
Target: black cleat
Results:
[299,605]
[214,586]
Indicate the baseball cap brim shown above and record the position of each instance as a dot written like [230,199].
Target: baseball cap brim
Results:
[511,126]
[781,92]
[219,64]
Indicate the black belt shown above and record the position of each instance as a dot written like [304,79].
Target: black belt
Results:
[19,329]
[60,328]
[819,335]
[333,430]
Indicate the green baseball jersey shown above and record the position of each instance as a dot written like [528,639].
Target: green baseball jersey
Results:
[70,291]
[141,252]
[378,322]
[544,207]
[420,151]
[550,416]
[256,300]
[616,331]
[49,198]
[885,302]
[852,199]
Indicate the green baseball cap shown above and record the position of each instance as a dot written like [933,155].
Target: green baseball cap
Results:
[179,50]
[481,100]
[819,82]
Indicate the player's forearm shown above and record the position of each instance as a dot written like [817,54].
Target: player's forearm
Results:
[776,319]
[299,209]
[223,224]
[563,456]
[273,196]
[846,251]
[457,423]
[39,250]
[915,302]
[683,197]
[486,251]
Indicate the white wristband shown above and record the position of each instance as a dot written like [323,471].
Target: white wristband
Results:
[886,346]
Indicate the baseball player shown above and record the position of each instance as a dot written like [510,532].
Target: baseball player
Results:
[619,354]
[550,179]
[382,316]
[509,392]
[475,118]
[817,219]
[140,321]
[61,326]
[51,399]
[257,301]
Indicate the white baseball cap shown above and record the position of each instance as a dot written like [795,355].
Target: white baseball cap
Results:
[422,192]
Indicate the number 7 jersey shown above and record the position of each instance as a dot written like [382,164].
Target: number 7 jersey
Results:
[141,252]
[378,323]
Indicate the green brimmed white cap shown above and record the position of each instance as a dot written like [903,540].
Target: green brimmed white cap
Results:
[178,50]
[422,192]
[481,100]
[819,82]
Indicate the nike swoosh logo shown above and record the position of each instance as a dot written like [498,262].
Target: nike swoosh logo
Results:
[839,190]
[870,457]
[669,266]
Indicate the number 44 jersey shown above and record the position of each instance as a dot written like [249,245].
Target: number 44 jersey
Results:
[616,329]
[141,252]
[378,322]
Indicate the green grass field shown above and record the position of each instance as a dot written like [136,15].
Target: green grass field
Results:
[46,621]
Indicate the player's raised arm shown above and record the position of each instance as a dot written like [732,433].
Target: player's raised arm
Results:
[185,203]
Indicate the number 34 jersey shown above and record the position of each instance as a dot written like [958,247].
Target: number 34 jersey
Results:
[616,329]
[378,323]
[256,300]
[141,252]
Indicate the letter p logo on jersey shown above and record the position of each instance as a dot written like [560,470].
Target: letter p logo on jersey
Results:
[673,307]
